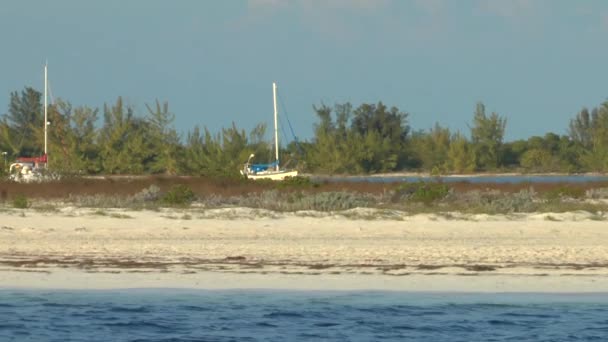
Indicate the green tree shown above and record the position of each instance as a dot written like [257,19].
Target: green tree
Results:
[581,128]
[370,138]
[20,123]
[8,139]
[487,136]
[72,138]
[431,148]
[329,153]
[123,148]
[461,155]
[512,152]
[591,133]
[195,153]
[163,140]
[537,160]
[385,133]
[219,155]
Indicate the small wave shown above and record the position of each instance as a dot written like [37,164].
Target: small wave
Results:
[326,324]
[605,329]
[284,314]
[311,336]
[266,325]
[12,326]
[501,322]
[528,315]
[404,327]
[63,305]
[140,325]
[194,308]
[127,309]
[390,310]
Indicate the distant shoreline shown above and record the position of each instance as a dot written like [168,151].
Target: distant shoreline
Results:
[390,175]
[460,175]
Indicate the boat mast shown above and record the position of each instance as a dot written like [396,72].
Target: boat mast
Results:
[46,121]
[276,131]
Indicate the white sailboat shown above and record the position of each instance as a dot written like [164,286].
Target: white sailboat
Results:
[269,171]
[30,169]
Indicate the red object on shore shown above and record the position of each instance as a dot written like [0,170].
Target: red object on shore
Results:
[37,160]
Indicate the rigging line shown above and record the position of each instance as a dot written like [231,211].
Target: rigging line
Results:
[282,129]
[286,115]
[285,135]
[295,138]
[50,93]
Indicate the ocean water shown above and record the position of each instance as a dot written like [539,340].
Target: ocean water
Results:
[193,315]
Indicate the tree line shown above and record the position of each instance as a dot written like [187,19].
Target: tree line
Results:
[370,138]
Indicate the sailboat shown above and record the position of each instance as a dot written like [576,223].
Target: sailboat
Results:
[29,169]
[273,170]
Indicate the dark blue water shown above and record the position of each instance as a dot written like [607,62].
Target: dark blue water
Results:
[177,315]
[500,179]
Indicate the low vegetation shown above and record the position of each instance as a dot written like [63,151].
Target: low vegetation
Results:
[302,194]
[20,202]
[178,195]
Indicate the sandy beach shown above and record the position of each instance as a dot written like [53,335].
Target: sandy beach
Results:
[360,249]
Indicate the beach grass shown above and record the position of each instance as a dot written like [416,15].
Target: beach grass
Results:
[154,192]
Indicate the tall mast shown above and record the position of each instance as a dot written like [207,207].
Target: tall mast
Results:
[46,121]
[276,131]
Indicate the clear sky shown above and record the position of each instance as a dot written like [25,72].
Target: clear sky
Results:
[536,62]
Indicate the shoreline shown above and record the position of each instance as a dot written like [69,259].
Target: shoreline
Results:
[425,174]
[70,279]
[240,248]
[458,175]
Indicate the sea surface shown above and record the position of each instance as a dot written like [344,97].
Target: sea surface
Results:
[202,315]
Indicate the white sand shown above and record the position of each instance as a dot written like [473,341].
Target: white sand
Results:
[242,248]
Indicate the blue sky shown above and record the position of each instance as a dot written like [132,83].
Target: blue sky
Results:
[535,62]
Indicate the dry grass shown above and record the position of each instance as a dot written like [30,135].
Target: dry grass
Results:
[142,192]
[204,187]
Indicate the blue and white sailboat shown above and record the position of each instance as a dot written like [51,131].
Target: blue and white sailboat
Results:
[272,170]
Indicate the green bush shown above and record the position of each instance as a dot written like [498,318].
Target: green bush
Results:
[424,192]
[20,202]
[179,195]
[564,192]
[297,181]
[496,202]
[322,201]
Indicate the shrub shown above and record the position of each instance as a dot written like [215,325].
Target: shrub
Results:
[519,202]
[424,192]
[496,202]
[331,201]
[598,193]
[20,202]
[564,192]
[322,201]
[179,195]
[149,194]
[103,201]
[297,181]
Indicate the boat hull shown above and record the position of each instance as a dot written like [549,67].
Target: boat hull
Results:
[272,175]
